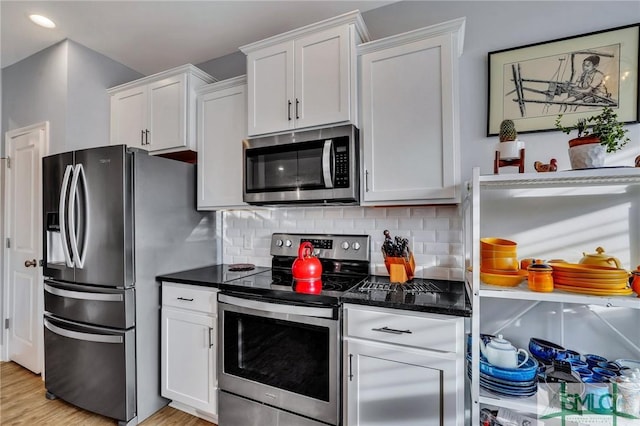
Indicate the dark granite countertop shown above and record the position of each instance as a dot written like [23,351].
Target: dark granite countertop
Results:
[448,297]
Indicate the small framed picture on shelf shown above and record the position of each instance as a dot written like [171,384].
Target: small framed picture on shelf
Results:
[577,75]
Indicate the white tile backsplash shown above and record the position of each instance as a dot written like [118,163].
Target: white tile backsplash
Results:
[434,233]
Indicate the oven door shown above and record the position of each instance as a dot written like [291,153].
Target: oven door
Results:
[285,356]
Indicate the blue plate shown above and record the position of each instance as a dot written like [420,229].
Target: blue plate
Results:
[526,372]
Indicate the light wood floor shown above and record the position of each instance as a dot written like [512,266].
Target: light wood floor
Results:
[23,402]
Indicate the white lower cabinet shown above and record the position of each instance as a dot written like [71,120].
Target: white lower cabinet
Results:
[402,368]
[189,344]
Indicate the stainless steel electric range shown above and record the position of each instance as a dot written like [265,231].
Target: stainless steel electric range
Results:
[280,345]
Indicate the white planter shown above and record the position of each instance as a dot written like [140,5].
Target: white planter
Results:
[510,150]
[587,156]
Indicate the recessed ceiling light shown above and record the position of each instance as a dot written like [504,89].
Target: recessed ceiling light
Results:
[43,21]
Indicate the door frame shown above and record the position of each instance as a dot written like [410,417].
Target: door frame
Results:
[6,219]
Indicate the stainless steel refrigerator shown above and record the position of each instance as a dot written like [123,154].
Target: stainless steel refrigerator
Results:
[114,218]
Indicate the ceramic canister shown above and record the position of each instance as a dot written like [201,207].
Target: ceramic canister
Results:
[540,278]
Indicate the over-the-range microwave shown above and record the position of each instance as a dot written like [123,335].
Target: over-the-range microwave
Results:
[315,167]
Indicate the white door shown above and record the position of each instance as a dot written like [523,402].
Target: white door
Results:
[167,113]
[23,228]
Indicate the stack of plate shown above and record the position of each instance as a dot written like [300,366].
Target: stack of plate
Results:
[499,262]
[594,280]
[518,382]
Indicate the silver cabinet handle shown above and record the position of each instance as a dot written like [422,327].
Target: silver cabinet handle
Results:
[211,337]
[141,137]
[366,180]
[391,330]
[88,337]
[101,297]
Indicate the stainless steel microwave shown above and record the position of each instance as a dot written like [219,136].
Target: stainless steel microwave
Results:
[311,167]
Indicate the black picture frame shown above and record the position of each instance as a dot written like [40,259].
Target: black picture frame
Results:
[532,84]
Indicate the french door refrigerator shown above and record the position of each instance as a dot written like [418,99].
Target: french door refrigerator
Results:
[114,218]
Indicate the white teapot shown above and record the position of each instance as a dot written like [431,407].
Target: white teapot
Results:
[502,353]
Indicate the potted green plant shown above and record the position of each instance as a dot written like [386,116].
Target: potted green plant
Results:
[597,135]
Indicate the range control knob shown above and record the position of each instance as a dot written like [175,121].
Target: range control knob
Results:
[345,245]
[288,243]
[356,246]
[316,252]
[279,243]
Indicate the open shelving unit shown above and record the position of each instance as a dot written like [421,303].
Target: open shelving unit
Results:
[551,216]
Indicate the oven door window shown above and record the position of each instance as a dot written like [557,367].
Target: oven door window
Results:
[283,354]
[286,167]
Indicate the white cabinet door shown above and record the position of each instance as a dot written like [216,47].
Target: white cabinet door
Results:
[270,81]
[389,385]
[410,124]
[222,126]
[322,78]
[129,117]
[167,116]
[188,359]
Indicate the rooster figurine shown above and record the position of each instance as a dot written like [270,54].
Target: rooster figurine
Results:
[551,167]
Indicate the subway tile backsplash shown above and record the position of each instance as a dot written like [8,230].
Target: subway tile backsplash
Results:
[434,233]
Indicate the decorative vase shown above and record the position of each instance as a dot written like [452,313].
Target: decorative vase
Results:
[510,150]
[586,153]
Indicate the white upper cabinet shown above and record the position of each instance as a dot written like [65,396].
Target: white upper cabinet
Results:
[222,126]
[410,121]
[306,77]
[157,113]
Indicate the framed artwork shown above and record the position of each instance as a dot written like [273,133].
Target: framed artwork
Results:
[575,76]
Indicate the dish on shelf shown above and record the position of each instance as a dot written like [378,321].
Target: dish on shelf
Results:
[502,271]
[545,350]
[594,291]
[497,244]
[628,363]
[527,372]
[595,284]
[591,271]
[502,279]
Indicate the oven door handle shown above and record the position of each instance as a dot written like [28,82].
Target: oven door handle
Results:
[276,307]
[327,163]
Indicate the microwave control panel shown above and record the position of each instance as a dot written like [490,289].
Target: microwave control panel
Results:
[341,155]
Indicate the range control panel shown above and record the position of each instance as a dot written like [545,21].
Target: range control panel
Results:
[333,246]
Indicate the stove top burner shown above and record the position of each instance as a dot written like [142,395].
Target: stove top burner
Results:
[411,287]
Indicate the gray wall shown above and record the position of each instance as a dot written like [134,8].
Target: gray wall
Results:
[64,84]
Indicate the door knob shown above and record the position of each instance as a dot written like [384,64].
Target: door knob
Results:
[28,263]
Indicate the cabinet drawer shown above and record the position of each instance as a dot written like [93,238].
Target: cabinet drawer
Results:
[433,332]
[190,297]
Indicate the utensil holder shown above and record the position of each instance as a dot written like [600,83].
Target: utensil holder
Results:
[400,270]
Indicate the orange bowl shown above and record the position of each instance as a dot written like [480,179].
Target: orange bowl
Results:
[503,263]
[503,280]
[497,244]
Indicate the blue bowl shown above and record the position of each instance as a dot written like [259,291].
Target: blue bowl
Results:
[568,355]
[577,363]
[602,374]
[545,350]
[611,366]
[584,372]
[593,360]
[527,372]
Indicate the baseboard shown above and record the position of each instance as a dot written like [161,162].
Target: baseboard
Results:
[194,412]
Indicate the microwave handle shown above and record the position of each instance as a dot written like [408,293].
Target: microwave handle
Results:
[327,163]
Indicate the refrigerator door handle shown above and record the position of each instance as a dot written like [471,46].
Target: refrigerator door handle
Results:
[78,257]
[102,297]
[88,337]
[61,213]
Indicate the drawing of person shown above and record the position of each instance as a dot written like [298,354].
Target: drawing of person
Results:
[589,87]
